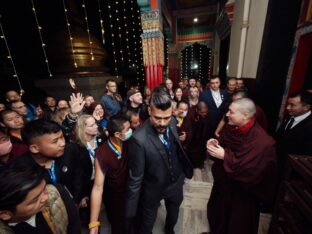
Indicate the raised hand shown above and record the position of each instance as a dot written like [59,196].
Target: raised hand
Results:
[72,83]
[76,103]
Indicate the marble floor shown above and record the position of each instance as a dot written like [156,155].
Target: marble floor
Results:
[193,211]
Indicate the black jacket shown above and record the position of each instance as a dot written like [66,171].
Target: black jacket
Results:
[68,170]
[149,173]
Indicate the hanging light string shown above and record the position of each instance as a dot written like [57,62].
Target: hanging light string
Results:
[181,65]
[101,22]
[88,29]
[43,45]
[127,32]
[113,37]
[119,31]
[134,36]
[70,35]
[15,75]
[200,62]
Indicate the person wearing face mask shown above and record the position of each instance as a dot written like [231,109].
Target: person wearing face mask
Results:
[111,174]
[183,124]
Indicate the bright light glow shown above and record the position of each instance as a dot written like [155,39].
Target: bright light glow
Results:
[195,20]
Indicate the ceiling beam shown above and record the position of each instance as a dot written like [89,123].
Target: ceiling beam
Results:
[207,10]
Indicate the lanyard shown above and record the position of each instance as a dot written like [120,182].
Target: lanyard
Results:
[119,156]
[90,149]
[52,173]
[165,139]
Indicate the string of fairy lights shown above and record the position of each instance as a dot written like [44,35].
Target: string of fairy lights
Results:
[124,21]
[9,56]
[88,29]
[113,38]
[196,61]
[43,45]
[70,35]
[101,22]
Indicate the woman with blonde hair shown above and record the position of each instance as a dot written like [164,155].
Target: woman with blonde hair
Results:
[88,139]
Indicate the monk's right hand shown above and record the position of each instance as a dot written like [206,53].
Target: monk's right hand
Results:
[94,230]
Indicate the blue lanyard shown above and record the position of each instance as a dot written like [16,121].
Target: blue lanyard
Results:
[52,173]
[90,149]
[119,156]
[165,139]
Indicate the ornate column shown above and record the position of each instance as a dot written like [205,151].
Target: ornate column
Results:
[152,41]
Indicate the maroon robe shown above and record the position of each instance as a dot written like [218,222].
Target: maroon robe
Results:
[186,127]
[245,178]
[116,176]
[202,131]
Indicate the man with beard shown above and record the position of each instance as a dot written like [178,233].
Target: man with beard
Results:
[135,104]
[244,172]
[157,167]
[111,99]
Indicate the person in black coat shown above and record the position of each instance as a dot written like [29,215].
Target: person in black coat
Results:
[157,167]
[294,134]
[47,148]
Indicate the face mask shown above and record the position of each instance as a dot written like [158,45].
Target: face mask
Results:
[184,113]
[5,148]
[128,134]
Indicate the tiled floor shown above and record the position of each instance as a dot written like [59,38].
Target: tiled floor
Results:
[193,211]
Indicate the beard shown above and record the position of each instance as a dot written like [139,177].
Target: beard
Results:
[160,128]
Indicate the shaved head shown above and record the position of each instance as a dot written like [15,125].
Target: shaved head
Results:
[246,106]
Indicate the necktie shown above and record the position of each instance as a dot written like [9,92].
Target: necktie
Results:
[289,124]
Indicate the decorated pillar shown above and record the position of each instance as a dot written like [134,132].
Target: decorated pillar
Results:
[152,41]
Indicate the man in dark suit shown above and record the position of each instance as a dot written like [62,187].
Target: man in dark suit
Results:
[294,135]
[157,167]
[216,100]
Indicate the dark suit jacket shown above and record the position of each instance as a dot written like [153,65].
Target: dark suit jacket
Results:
[149,174]
[68,170]
[297,140]
[215,113]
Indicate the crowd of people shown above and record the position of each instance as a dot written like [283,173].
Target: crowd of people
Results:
[59,163]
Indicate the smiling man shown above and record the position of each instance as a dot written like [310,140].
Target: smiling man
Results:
[28,205]
[157,167]
[244,172]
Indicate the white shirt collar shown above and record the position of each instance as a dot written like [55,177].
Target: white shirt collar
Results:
[31,221]
[299,118]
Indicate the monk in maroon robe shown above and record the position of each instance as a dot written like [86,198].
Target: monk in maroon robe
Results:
[111,172]
[202,131]
[244,172]
[184,125]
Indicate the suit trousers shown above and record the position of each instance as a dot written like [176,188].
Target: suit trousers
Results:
[173,197]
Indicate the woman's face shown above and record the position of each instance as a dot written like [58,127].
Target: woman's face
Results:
[91,127]
[5,144]
[178,93]
[99,111]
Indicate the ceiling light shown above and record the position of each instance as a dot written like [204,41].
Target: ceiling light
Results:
[195,20]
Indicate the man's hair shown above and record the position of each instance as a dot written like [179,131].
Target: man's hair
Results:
[16,182]
[214,77]
[305,97]
[116,124]
[246,106]
[109,80]
[39,128]
[160,100]
[231,78]
[182,102]
[240,92]
[201,105]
